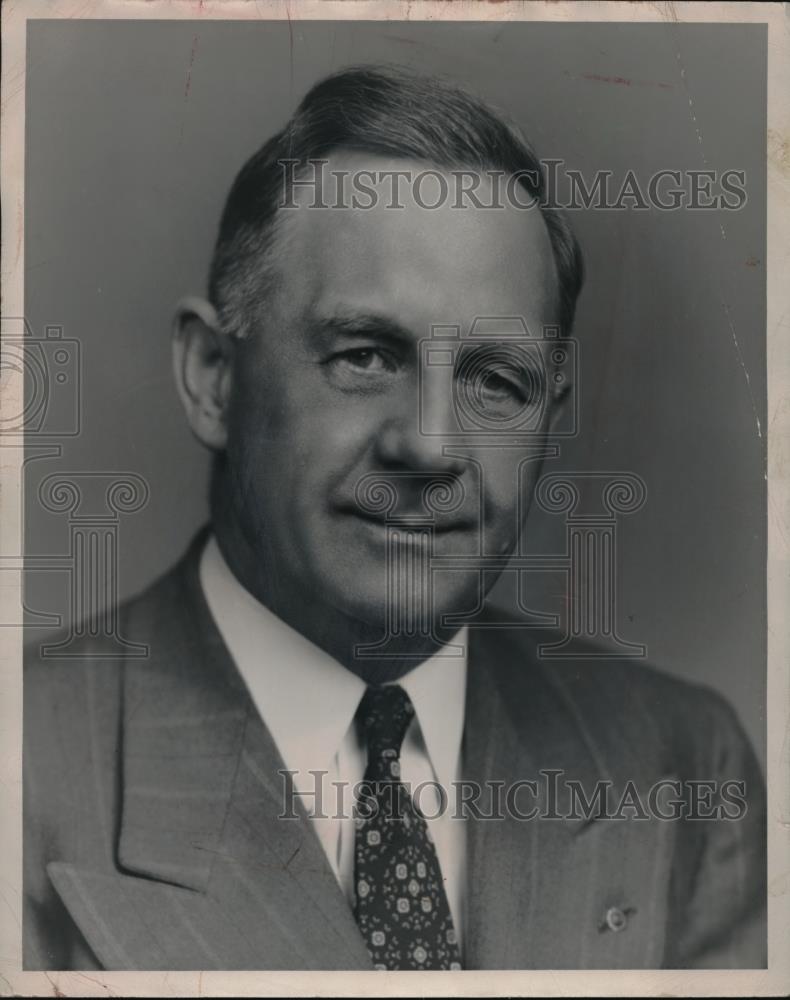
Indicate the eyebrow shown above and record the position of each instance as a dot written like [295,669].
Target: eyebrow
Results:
[363,324]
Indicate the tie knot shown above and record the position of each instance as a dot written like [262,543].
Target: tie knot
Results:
[384,715]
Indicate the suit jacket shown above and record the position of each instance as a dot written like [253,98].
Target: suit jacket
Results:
[152,796]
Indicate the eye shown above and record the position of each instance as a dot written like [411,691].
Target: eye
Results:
[498,384]
[372,360]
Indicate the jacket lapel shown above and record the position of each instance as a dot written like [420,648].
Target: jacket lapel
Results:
[213,876]
[539,889]
[273,874]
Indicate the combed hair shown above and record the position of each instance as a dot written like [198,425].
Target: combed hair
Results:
[386,111]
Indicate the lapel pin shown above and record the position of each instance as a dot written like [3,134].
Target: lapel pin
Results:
[616,919]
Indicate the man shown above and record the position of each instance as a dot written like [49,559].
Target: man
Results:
[221,803]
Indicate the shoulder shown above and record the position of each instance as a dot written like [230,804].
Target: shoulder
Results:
[73,679]
[103,646]
[628,701]
[75,700]
[633,689]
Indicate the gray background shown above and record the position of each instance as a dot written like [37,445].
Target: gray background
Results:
[135,132]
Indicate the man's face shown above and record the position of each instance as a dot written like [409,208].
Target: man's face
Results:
[331,387]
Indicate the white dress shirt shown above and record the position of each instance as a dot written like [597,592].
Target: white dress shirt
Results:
[308,700]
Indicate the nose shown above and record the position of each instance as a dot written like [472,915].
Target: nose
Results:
[419,436]
[400,444]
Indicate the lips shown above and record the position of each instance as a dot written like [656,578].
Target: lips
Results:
[407,521]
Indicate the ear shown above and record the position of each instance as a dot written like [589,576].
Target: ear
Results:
[202,364]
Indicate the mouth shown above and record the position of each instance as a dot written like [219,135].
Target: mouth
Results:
[407,522]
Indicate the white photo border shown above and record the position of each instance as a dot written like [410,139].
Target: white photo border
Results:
[773,981]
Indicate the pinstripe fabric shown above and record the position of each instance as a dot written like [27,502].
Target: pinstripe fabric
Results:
[152,837]
[562,875]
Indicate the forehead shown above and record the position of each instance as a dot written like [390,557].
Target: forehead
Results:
[422,265]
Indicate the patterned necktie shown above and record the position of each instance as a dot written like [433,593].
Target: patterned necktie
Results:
[401,906]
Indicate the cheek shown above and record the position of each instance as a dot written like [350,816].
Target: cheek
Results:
[326,440]
[509,484]
[294,444]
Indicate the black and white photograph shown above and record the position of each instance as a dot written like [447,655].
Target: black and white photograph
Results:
[388,537]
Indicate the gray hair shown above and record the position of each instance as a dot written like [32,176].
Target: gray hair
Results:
[389,112]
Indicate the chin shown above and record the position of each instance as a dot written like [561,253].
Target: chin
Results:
[366,601]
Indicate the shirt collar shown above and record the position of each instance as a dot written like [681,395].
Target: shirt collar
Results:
[308,699]
[437,688]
